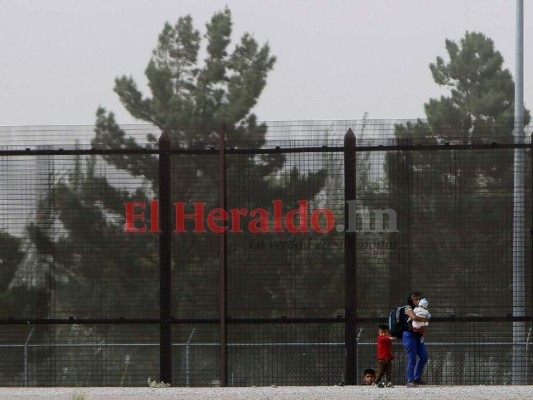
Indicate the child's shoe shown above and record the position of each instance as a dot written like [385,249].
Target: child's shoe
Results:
[389,384]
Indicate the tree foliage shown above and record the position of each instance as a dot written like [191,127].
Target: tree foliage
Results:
[189,101]
[481,90]
[456,203]
[116,274]
[224,88]
[12,254]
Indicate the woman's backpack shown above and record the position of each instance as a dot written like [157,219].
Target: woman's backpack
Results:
[398,322]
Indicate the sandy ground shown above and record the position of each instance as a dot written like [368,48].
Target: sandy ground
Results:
[271,393]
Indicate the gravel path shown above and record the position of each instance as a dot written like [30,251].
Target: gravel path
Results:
[271,393]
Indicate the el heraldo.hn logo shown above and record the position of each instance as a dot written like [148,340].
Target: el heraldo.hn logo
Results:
[143,217]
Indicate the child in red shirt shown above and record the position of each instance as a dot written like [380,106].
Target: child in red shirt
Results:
[385,356]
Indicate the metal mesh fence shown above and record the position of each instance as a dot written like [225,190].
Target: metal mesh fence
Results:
[258,261]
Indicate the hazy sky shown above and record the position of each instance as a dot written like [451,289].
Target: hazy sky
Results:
[336,59]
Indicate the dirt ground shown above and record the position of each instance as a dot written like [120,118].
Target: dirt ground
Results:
[271,393]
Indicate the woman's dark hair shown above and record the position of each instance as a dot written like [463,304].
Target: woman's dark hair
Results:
[410,298]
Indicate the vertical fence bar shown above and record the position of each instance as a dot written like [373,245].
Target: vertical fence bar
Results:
[350,278]
[165,245]
[519,367]
[528,374]
[26,359]
[222,258]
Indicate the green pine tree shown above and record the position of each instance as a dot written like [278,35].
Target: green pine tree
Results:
[455,207]
[189,100]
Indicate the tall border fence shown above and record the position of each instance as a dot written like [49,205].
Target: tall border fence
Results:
[237,256]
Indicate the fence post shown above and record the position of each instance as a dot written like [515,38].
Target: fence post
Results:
[350,272]
[165,244]
[222,258]
[26,358]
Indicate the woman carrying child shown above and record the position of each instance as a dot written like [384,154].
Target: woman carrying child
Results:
[414,347]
